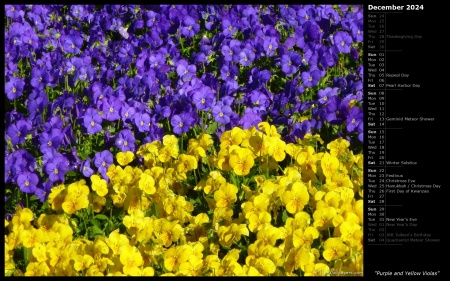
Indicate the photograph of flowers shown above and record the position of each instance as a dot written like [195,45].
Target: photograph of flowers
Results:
[183,140]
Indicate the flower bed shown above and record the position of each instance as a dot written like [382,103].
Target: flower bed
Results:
[183,140]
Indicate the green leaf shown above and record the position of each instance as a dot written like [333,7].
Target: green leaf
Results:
[71,174]
[284,216]
[212,128]
[101,217]
[95,222]
[94,231]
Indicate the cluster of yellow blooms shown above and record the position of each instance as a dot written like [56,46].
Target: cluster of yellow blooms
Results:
[318,195]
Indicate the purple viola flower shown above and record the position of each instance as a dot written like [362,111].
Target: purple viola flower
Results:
[249,119]
[258,78]
[54,123]
[45,188]
[185,71]
[181,123]
[37,101]
[189,27]
[355,117]
[77,11]
[92,121]
[127,112]
[335,111]
[228,28]
[258,99]
[357,29]
[229,72]
[39,78]
[203,98]
[343,41]
[361,132]
[17,132]
[85,168]
[50,139]
[152,18]
[246,57]
[270,46]
[125,140]
[27,182]
[231,50]
[111,108]
[142,121]
[290,62]
[325,94]
[14,87]
[103,160]
[222,113]
[72,43]
[354,53]
[310,79]
[56,169]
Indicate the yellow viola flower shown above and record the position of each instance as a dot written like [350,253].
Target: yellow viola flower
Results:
[259,144]
[94,271]
[265,266]
[205,140]
[241,160]
[99,185]
[317,269]
[256,222]
[82,262]
[73,203]
[339,182]
[338,147]
[226,195]
[351,233]
[191,267]
[170,232]
[334,249]
[303,257]
[147,184]
[303,237]
[223,160]
[277,150]
[133,200]
[148,271]
[214,182]
[324,217]
[231,233]
[78,188]
[186,163]
[97,202]
[268,129]
[233,137]
[258,205]
[175,256]
[134,220]
[292,150]
[195,149]
[116,242]
[269,234]
[40,252]
[37,269]
[164,154]
[330,165]
[296,198]
[312,140]
[124,158]
[171,142]
[130,257]
[56,197]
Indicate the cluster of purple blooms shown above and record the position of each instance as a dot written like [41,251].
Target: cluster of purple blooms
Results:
[141,67]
